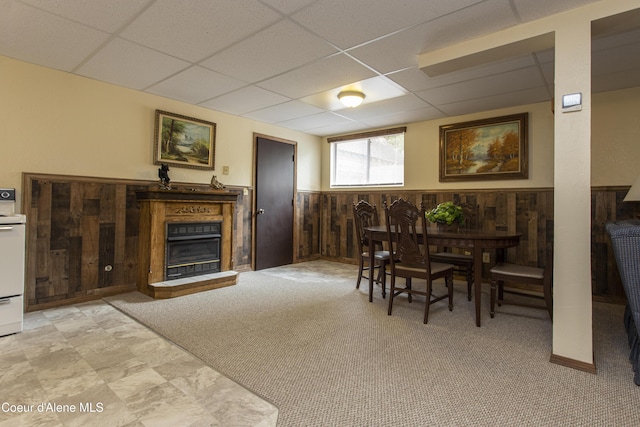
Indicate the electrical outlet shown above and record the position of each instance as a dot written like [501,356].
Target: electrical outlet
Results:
[225,170]
[486,257]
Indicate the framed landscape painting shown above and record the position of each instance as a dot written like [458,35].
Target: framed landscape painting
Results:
[488,149]
[184,141]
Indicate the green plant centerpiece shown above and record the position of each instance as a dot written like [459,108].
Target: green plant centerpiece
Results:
[446,214]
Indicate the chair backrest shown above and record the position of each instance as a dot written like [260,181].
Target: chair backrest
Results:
[364,215]
[403,219]
[625,240]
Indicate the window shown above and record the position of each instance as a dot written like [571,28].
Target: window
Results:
[368,159]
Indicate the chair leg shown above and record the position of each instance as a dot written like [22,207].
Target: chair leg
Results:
[428,302]
[408,287]
[492,298]
[392,291]
[383,281]
[449,280]
[372,269]
[360,270]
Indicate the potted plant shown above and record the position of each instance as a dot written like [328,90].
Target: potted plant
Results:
[446,214]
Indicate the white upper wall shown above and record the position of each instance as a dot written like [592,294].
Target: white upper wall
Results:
[615,150]
[615,137]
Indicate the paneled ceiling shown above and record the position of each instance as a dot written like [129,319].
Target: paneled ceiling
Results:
[284,61]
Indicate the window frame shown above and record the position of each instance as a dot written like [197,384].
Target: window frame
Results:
[361,136]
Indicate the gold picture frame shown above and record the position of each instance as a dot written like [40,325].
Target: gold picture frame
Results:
[488,149]
[183,141]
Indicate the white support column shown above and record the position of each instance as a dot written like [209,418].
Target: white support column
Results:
[572,314]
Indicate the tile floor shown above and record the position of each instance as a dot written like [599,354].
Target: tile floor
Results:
[91,365]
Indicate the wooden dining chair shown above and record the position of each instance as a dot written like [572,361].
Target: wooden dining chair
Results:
[366,215]
[411,255]
[538,283]
[463,263]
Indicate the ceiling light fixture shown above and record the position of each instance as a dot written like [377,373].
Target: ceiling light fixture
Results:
[351,98]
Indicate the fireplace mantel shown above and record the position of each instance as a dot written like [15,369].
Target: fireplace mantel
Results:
[159,207]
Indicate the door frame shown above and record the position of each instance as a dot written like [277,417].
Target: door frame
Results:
[255,194]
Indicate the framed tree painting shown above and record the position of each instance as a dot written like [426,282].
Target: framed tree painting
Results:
[184,141]
[488,149]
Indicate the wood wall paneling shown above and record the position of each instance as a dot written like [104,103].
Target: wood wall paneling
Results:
[308,225]
[527,211]
[78,226]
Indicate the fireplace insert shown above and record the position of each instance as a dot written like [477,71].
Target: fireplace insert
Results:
[192,249]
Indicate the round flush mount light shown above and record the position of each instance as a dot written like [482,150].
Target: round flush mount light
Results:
[351,98]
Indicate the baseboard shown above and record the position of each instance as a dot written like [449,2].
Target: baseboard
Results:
[94,295]
[574,364]
[243,268]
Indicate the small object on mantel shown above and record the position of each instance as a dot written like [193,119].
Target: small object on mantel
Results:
[215,184]
[163,173]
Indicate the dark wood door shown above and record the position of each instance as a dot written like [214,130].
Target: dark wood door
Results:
[275,180]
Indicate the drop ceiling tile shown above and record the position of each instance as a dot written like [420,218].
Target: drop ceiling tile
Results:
[281,112]
[626,38]
[494,102]
[404,117]
[474,21]
[616,81]
[128,64]
[616,24]
[401,49]
[36,36]
[314,121]
[194,29]
[340,129]
[318,76]
[615,59]
[531,10]
[485,70]
[195,85]
[383,108]
[414,80]
[349,23]
[103,15]
[548,74]
[241,101]
[287,6]
[545,56]
[274,50]
[479,88]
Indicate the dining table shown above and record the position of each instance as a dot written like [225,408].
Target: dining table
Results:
[476,241]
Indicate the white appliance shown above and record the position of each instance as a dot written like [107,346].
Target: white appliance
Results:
[12,259]
[7,201]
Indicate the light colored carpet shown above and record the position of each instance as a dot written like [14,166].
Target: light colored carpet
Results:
[304,338]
